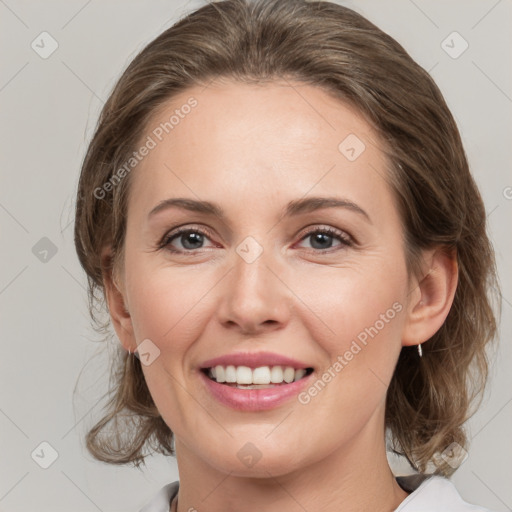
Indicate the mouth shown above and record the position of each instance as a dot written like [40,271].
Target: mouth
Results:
[255,381]
[262,377]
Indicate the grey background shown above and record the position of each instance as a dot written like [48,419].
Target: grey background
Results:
[49,109]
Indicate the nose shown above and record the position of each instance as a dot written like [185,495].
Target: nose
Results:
[254,298]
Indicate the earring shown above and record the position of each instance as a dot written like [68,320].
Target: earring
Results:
[420,351]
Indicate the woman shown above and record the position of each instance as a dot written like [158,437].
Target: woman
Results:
[277,209]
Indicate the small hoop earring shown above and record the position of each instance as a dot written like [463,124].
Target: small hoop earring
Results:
[420,350]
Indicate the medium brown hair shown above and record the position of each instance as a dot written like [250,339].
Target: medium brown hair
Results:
[332,47]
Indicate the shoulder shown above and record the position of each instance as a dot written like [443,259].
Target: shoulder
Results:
[162,499]
[433,494]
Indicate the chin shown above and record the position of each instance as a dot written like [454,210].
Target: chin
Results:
[263,468]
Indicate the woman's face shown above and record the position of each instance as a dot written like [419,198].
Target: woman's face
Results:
[282,273]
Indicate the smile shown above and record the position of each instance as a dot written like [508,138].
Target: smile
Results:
[263,377]
[246,393]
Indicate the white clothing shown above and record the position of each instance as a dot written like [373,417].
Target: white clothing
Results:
[428,494]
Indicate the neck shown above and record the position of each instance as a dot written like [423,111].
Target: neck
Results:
[356,476]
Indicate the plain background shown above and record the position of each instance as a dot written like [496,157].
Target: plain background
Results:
[49,109]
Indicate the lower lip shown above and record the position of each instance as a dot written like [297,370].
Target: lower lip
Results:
[254,399]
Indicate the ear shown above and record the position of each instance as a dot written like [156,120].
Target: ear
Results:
[116,301]
[431,297]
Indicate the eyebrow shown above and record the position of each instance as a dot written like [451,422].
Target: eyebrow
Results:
[293,208]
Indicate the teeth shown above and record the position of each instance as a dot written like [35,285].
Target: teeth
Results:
[219,373]
[262,375]
[230,373]
[244,375]
[299,374]
[276,375]
[289,374]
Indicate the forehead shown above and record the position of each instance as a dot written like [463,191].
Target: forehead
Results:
[233,142]
[305,116]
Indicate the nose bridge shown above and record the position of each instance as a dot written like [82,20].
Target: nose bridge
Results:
[253,295]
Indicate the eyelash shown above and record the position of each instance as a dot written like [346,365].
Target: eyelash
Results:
[344,238]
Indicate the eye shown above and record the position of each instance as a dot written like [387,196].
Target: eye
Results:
[190,239]
[322,238]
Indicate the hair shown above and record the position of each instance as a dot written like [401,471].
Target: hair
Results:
[334,48]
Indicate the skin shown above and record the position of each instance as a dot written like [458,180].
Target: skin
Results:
[251,149]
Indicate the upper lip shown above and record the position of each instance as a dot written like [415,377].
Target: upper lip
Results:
[254,360]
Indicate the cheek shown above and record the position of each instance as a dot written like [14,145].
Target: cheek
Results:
[362,344]
[345,301]
[169,306]
[166,305]
[358,319]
